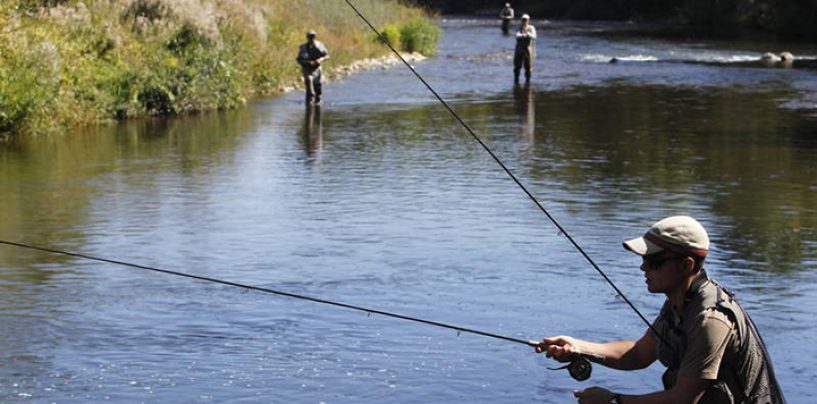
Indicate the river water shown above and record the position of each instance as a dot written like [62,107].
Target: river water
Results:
[380,199]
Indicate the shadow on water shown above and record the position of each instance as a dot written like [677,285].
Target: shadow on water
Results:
[737,151]
[733,150]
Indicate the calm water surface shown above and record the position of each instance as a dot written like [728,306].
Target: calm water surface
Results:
[380,199]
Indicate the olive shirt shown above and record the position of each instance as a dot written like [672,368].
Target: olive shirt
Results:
[710,350]
[707,341]
[713,338]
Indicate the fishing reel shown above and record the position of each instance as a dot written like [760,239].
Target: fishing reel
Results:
[579,369]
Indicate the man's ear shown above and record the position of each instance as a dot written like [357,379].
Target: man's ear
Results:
[689,265]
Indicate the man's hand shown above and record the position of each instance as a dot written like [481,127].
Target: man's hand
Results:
[593,395]
[561,348]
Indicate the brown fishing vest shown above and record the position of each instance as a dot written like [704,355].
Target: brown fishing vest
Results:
[745,375]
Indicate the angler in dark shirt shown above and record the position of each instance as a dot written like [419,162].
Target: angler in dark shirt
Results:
[310,56]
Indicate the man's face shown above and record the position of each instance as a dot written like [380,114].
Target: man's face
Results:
[310,38]
[663,271]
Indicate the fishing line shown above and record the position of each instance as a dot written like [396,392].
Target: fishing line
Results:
[513,177]
[578,369]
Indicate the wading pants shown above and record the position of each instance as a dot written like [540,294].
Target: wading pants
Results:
[521,59]
[312,85]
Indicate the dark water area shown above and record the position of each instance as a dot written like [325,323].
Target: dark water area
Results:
[379,198]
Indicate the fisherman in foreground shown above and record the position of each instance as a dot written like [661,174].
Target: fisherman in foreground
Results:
[310,56]
[711,348]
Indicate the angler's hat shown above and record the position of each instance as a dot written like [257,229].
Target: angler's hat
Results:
[525,17]
[680,234]
[311,34]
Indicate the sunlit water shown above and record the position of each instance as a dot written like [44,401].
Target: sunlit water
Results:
[380,199]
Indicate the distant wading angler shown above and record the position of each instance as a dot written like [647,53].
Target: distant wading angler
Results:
[711,348]
[506,15]
[310,56]
[525,50]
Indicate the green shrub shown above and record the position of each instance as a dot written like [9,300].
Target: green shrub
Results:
[185,39]
[155,95]
[391,33]
[419,35]
[201,78]
[27,89]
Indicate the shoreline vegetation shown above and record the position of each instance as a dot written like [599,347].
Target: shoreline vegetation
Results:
[69,63]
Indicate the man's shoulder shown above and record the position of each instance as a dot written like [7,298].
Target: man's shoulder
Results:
[711,322]
[715,316]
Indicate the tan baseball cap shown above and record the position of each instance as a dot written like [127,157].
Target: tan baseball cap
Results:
[679,234]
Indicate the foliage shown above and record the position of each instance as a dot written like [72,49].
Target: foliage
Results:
[27,83]
[34,5]
[391,33]
[419,35]
[415,35]
[66,63]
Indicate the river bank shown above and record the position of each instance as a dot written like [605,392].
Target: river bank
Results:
[72,63]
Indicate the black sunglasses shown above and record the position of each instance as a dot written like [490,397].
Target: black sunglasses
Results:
[655,261]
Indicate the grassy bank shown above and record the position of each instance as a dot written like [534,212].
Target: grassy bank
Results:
[65,63]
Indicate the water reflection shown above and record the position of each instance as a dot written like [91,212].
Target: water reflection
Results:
[728,154]
[78,191]
[312,131]
[53,187]
[525,105]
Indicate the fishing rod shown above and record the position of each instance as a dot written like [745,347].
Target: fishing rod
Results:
[580,369]
[513,177]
